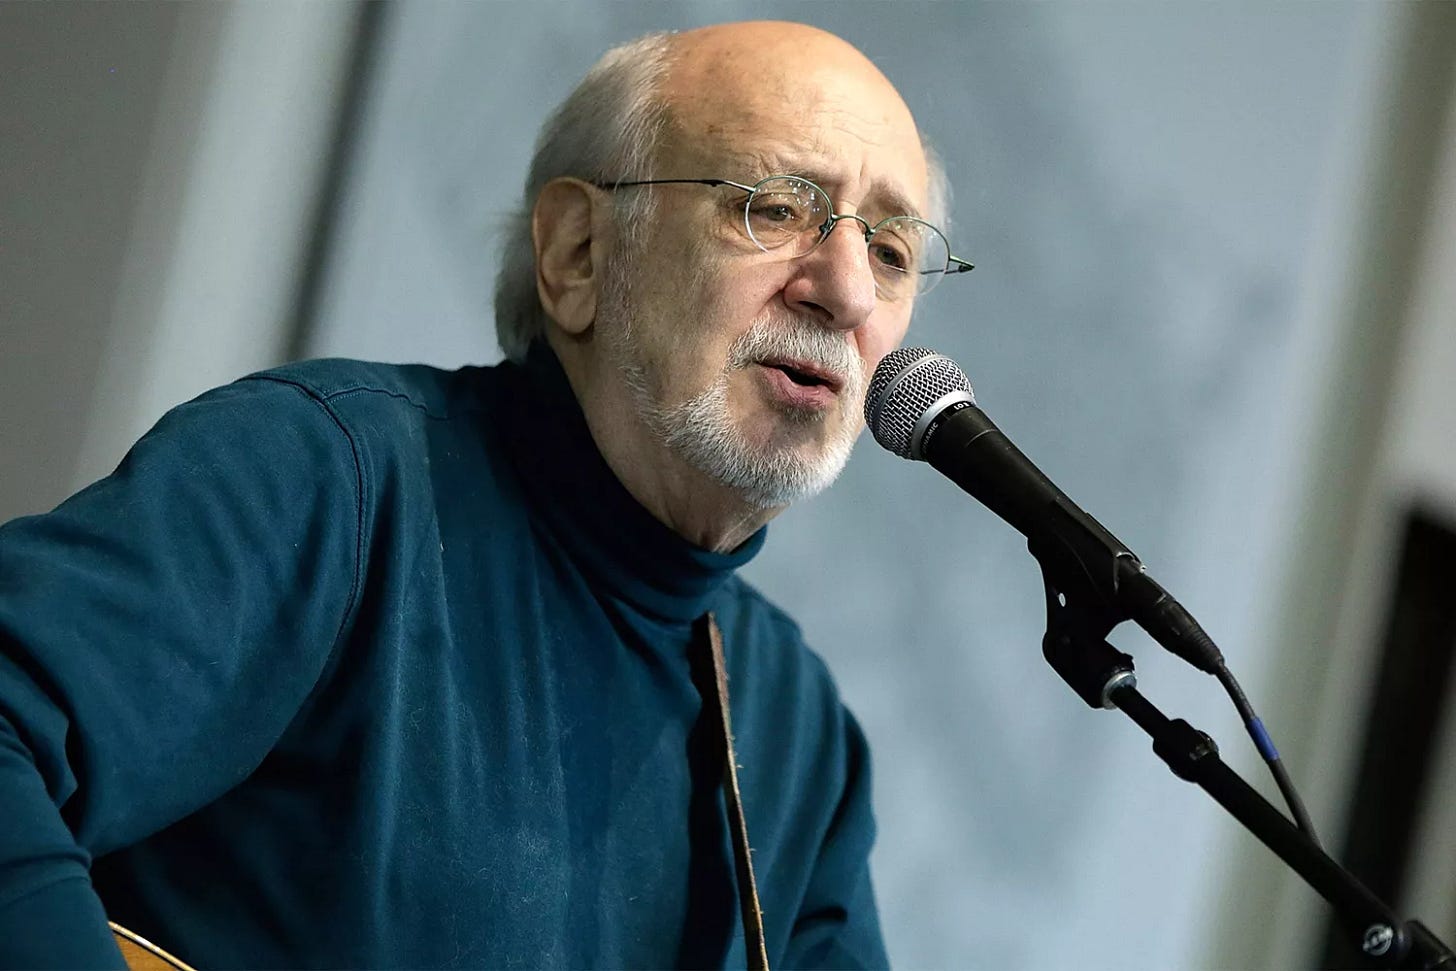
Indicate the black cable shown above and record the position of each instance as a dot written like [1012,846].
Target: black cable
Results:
[1265,745]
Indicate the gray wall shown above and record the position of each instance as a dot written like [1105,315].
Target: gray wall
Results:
[74,139]
[160,168]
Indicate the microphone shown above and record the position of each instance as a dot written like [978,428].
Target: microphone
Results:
[920,406]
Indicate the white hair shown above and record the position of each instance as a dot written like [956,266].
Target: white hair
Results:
[937,205]
[607,129]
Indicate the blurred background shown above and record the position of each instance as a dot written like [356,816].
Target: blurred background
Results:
[1215,300]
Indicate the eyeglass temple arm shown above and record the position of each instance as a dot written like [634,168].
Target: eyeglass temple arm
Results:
[958,265]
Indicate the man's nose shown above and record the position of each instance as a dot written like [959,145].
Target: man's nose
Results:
[834,281]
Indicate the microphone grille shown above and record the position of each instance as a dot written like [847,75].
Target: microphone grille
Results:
[907,383]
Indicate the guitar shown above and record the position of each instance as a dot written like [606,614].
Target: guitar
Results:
[142,955]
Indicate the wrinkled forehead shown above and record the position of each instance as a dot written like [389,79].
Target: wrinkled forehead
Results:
[779,110]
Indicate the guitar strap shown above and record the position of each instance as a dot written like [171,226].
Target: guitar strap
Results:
[708,639]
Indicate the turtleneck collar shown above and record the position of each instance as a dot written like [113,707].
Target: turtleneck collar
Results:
[609,533]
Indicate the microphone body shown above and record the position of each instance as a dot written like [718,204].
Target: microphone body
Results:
[924,409]
[965,446]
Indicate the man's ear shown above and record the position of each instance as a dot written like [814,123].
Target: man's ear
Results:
[567,268]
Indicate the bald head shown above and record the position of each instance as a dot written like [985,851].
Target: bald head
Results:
[759,53]
[762,91]
[734,58]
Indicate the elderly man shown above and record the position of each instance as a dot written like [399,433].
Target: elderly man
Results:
[356,665]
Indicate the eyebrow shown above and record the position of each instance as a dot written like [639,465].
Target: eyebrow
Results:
[896,203]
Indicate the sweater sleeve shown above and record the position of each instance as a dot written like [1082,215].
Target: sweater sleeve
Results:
[158,632]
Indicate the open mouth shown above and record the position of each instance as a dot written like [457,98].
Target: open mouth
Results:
[806,375]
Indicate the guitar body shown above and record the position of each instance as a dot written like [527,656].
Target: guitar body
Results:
[142,955]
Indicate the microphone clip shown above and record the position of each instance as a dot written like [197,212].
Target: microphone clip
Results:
[1078,622]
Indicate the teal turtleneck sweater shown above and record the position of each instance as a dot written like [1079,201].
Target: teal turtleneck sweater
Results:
[354,665]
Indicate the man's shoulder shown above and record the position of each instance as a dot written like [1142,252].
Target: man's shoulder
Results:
[375,418]
[766,636]
[787,707]
[744,603]
[342,383]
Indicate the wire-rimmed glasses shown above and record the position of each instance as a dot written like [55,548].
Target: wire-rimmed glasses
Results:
[790,215]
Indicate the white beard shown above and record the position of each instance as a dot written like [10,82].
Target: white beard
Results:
[702,430]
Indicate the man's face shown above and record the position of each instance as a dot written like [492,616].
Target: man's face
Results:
[750,365]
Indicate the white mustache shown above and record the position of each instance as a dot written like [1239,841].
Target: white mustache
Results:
[800,341]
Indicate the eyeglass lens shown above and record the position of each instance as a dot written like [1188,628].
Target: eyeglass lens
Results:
[908,256]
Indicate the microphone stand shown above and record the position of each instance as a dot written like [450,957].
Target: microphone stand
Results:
[1078,622]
